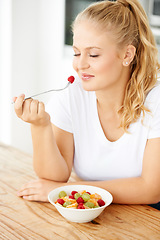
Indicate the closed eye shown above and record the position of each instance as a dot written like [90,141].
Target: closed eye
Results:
[76,54]
[94,55]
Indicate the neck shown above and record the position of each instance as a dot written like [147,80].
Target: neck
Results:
[111,99]
[109,105]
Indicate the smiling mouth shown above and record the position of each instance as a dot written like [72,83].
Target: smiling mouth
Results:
[86,76]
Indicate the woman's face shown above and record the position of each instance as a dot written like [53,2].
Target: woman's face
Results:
[95,58]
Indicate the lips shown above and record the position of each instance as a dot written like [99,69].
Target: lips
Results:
[85,76]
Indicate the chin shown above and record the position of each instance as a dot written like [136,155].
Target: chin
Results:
[88,87]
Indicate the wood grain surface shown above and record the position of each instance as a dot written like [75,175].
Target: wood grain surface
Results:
[21,219]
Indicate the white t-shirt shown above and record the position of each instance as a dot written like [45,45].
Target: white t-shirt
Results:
[96,158]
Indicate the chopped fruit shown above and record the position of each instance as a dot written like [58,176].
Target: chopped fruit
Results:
[101,202]
[69,199]
[60,201]
[94,202]
[89,204]
[83,191]
[96,196]
[67,203]
[88,193]
[85,196]
[62,194]
[80,206]
[71,196]
[73,205]
[80,200]
[74,192]
[77,195]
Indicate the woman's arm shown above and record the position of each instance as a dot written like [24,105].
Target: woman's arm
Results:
[137,190]
[51,161]
[52,152]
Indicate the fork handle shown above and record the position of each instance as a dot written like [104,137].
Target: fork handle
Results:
[55,90]
[52,90]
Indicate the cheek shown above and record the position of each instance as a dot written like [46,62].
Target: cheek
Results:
[108,66]
[74,64]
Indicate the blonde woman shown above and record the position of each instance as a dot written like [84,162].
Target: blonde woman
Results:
[106,125]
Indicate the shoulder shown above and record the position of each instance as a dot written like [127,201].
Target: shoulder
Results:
[154,93]
[153,97]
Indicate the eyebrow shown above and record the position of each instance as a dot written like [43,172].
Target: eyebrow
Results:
[88,47]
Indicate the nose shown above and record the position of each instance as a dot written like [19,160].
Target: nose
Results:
[83,62]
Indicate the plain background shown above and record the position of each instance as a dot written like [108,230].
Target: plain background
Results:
[32,59]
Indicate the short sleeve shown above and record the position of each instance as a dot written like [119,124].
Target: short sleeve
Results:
[154,130]
[58,108]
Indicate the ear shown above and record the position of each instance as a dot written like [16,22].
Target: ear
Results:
[130,52]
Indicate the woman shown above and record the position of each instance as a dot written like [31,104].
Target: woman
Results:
[107,123]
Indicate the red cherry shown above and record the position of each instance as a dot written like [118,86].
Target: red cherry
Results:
[80,200]
[80,206]
[74,192]
[101,202]
[71,79]
[60,201]
[71,196]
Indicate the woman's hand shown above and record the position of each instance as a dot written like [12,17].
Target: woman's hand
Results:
[31,111]
[38,190]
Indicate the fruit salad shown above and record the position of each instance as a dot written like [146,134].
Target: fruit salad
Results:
[80,200]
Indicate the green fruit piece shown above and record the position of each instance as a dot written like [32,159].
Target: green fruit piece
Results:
[96,206]
[85,197]
[77,195]
[66,203]
[62,194]
[89,204]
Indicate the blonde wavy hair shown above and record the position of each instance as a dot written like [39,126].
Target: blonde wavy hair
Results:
[127,21]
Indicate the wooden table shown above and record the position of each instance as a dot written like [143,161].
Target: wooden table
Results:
[21,219]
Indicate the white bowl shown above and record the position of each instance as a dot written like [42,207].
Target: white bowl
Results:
[80,215]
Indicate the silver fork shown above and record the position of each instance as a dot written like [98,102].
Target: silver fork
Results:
[60,89]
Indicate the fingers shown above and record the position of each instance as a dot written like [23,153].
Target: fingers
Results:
[30,110]
[18,106]
[26,109]
[31,195]
[35,198]
[33,191]
[28,191]
[41,108]
[14,99]
[32,184]
[28,106]
[34,107]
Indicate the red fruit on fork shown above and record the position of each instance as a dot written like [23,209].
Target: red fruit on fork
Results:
[71,79]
